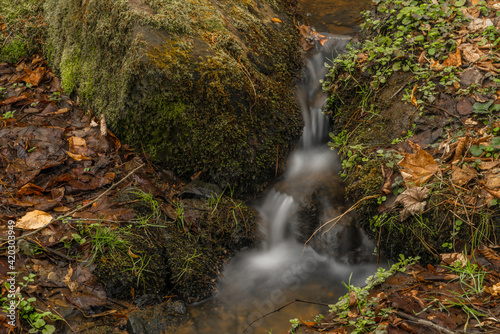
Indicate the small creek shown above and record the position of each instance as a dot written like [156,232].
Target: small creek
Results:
[260,280]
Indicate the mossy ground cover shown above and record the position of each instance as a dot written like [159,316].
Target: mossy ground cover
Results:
[198,86]
[415,109]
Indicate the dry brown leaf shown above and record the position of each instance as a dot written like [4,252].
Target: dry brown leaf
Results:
[77,157]
[413,98]
[470,52]
[33,220]
[494,290]
[454,59]
[493,179]
[72,285]
[462,145]
[276,20]
[61,111]
[485,165]
[461,176]
[77,145]
[418,167]
[451,258]
[413,201]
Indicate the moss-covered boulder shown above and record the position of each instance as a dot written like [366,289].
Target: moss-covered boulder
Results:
[200,86]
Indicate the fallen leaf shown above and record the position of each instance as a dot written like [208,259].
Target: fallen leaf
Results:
[470,52]
[72,285]
[412,201]
[462,144]
[34,77]
[461,176]
[78,145]
[276,20]
[493,290]
[77,157]
[33,220]
[413,98]
[418,167]
[14,99]
[454,59]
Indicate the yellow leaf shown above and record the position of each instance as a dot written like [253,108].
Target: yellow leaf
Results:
[33,220]
[276,20]
[413,98]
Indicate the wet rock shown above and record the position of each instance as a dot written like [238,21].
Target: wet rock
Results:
[199,86]
[200,189]
[321,198]
[161,318]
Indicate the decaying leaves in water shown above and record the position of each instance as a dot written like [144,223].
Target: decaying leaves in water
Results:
[413,201]
[310,37]
[418,167]
[33,220]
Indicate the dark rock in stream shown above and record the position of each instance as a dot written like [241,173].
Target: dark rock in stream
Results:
[161,318]
[321,198]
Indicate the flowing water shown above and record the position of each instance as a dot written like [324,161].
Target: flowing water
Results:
[259,281]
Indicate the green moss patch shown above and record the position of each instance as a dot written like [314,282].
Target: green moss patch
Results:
[200,86]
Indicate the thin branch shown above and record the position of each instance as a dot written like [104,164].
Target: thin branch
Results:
[336,219]
[79,208]
[425,323]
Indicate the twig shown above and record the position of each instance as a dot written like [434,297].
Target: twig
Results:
[6,39]
[282,307]
[336,219]
[399,90]
[80,208]
[7,190]
[425,323]
[48,250]
[59,314]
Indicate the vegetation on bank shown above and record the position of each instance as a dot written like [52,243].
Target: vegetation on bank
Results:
[416,116]
[416,111]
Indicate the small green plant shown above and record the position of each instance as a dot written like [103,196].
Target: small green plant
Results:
[470,275]
[179,212]
[2,92]
[295,325]
[9,114]
[366,307]
[27,311]
[55,96]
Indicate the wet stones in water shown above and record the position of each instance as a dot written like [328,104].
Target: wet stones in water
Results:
[162,318]
[320,198]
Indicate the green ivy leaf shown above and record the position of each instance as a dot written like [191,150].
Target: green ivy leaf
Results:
[476,150]
[495,141]
[49,329]
[482,108]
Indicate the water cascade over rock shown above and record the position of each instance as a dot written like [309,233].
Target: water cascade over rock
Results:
[285,268]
